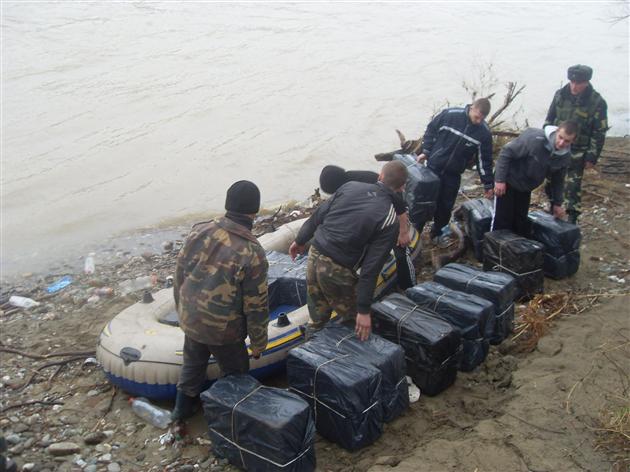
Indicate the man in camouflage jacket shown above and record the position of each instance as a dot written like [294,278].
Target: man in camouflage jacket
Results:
[220,291]
[578,101]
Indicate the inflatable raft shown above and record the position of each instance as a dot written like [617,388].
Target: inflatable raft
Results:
[140,349]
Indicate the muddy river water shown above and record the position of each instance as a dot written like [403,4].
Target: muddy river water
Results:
[125,115]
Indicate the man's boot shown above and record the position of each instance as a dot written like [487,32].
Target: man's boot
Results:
[572,217]
[185,407]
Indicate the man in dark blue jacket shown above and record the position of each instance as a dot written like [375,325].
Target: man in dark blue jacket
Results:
[354,229]
[452,140]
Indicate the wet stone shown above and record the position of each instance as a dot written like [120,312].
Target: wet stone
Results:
[63,448]
[390,461]
[549,347]
[113,467]
[20,428]
[13,438]
[16,450]
[29,443]
[103,448]
[33,419]
[94,438]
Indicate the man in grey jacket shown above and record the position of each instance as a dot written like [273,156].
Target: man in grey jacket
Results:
[523,165]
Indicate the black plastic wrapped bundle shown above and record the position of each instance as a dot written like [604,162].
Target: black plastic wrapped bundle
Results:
[344,392]
[287,279]
[471,314]
[497,287]
[421,190]
[562,244]
[477,217]
[432,346]
[257,427]
[505,251]
[386,356]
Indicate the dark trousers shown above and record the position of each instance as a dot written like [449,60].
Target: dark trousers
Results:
[510,212]
[405,271]
[232,359]
[449,186]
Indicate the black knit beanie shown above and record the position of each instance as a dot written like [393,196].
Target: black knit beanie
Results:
[331,178]
[243,197]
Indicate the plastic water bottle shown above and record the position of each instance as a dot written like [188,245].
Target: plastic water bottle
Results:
[89,266]
[158,417]
[22,302]
[134,285]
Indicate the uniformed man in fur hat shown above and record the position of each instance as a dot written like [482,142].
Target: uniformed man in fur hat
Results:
[578,101]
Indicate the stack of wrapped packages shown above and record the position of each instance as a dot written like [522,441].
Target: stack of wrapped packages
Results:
[472,315]
[432,346]
[505,251]
[287,280]
[477,217]
[259,428]
[561,241]
[386,356]
[352,386]
[497,287]
[421,190]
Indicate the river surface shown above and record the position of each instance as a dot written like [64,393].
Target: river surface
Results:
[118,116]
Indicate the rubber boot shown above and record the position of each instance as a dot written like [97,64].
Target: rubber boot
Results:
[185,407]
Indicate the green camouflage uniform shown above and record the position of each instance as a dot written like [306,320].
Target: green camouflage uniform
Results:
[220,285]
[330,286]
[589,110]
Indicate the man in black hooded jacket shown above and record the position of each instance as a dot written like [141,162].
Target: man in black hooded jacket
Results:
[354,229]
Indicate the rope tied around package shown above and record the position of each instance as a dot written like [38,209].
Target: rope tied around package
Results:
[502,314]
[501,266]
[345,338]
[234,440]
[473,278]
[402,320]
[437,301]
[399,330]
[317,401]
[353,335]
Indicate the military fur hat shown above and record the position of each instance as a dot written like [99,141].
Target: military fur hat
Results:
[243,197]
[579,73]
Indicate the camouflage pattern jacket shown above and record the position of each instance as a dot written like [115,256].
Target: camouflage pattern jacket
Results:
[220,285]
[590,112]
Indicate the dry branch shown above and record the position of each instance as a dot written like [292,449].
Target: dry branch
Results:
[30,402]
[510,96]
[46,356]
[48,364]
